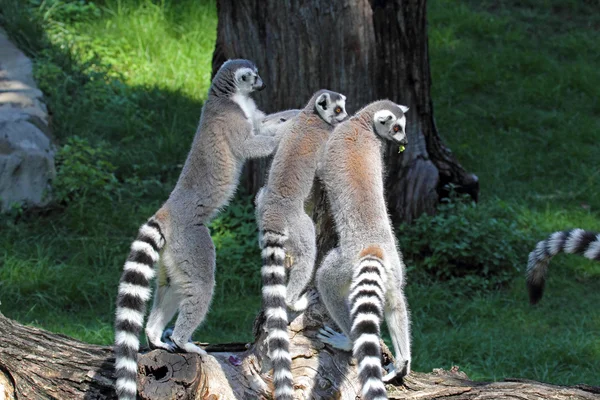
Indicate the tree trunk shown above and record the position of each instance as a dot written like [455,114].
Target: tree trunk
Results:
[35,364]
[366,49]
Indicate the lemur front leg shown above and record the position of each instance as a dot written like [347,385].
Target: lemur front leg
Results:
[275,124]
[303,248]
[258,146]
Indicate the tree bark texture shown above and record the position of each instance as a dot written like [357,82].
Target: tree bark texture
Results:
[366,49]
[36,364]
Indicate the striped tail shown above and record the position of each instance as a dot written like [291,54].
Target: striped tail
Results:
[134,291]
[575,241]
[367,299]
[274,295]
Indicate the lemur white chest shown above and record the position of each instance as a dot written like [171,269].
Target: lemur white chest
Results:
[247,105]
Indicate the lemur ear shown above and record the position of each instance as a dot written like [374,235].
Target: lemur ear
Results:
[404,108]
[323,101]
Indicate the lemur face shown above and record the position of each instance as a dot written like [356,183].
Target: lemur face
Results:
[391,124]
[331,107]
[247,80]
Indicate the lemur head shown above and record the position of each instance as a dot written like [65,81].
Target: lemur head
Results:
[237,77]
[390,122]
[331,106]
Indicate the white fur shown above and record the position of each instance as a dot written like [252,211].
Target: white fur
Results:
[594,249]
[282,374]
[129,289]
[132,316]
[374,288]
[279,334]
[145,248]
[573,240]
[270,251]
[369,362]
[366,300]
[274,291]
[128,339]
[371,276]
[372,384]
[143,269]
[276,312]
[403,108]
[366,338]
[126,385]
[383,116]
[125,363]
[555,240]
[152,233]
[365,317]
[279,354]
[273,269]
[246,103]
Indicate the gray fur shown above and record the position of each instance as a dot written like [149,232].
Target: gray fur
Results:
[283,223]
[177,232]
[353,176]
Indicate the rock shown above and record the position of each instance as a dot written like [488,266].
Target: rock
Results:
[26,149]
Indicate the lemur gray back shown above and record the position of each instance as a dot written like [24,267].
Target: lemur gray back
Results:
[353,176]
[211,172]
[293,169]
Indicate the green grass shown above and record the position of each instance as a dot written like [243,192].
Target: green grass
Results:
[516,95]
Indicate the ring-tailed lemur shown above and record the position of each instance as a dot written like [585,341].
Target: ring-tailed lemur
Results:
[362,279]
[286,228]
[575,241]
[177,233]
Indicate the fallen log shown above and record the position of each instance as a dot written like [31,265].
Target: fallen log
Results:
[36,364]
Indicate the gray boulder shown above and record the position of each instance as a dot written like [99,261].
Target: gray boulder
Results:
[26,149]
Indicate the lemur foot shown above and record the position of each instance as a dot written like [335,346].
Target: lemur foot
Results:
[335,339]
[306,300]
[396,371]
[163,343]
[190,348]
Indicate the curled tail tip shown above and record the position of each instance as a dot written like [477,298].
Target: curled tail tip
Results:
[536,291]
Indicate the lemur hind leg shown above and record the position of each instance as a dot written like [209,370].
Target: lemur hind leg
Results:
[166,302]
[193,275]
[333,284]
[302,246]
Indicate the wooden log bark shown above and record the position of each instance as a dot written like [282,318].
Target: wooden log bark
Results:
[36,364]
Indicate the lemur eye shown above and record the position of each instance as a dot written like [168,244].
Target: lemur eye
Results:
[396,128]
[338,110]
[244,78]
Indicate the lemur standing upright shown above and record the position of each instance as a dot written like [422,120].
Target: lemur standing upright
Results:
[177,235]
[362,279]
[575,241]
[286,228]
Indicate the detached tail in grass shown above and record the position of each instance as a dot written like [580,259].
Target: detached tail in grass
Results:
[367,299]
[274,295]
[575,241]
[134,292]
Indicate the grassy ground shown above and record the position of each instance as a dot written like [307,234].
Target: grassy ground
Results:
[515,89]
